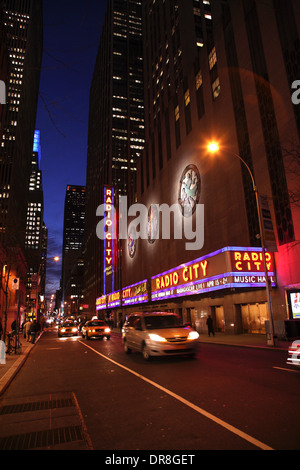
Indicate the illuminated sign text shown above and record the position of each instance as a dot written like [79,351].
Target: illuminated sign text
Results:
[101,303]
[114,299]
[227,268]
[135,294]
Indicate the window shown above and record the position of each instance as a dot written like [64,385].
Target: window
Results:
[216,89]
[212,58]
[188,116]
[177,126]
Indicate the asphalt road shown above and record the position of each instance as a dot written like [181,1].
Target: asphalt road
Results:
[228,398]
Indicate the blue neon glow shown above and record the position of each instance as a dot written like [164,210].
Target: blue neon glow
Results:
[37,145]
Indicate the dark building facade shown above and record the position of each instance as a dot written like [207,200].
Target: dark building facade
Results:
[74,223]
[213,73]
[24,33]
[22,24]
[116,126]
[3,69]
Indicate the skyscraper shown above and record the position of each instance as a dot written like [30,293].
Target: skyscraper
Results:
[116,125]
[36,232]
[23,24]
[73,233]
[23,30]
[3,68]
[35,209]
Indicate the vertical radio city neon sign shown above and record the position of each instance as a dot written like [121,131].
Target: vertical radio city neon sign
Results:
[109,236]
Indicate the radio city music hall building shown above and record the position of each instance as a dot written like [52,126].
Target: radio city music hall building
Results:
[218,71]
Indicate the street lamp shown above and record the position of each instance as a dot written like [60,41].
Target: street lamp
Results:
[214,147]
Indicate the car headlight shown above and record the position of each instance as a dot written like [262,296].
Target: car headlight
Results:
[74,330]
[63,330]
[107,330]
[157,338]
[193,335]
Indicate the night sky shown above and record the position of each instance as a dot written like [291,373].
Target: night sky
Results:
[72,30]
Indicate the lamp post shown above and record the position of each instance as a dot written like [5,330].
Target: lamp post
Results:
[213,147]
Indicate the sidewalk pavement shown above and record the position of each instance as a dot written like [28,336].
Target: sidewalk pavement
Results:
[14,362]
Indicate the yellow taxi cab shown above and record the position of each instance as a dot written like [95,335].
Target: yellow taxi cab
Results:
[95,329]
[67,328]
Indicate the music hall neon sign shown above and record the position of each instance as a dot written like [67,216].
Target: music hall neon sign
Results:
[230,267]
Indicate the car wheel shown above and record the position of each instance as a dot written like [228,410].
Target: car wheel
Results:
[107,337]
[145,353]
[87,336]
[126,348]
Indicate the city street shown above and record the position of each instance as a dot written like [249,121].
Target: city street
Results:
[228,398]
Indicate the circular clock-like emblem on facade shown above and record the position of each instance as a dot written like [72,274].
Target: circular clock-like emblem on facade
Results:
[189,190]
[132,242]
[153,222]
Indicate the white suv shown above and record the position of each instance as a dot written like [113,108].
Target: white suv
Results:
[158,334]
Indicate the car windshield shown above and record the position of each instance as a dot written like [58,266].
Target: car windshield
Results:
[153,322]
[96,323]
[69,323]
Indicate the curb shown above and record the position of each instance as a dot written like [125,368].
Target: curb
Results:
[251,346]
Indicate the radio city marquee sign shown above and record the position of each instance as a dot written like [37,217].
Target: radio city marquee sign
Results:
[109,237]
[231,267]
[101,303]
[135,294]
[131,295]
[114,299]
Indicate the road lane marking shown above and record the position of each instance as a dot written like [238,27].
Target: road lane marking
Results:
[289,370]
[191,405]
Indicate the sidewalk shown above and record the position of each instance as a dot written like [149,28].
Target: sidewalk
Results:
[243,340]
[14,361]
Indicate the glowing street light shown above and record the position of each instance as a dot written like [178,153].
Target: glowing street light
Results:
[214,147]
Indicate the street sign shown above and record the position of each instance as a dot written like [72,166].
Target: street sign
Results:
[270,240]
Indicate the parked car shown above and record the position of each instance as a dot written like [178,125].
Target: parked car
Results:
[294,354]
[159,334]
[67,328]
[95,329]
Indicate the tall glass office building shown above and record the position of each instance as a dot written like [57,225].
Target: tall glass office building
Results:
[73,232]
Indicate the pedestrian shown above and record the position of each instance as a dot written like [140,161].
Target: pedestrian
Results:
[27,327]
[34,329]
[210,325]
